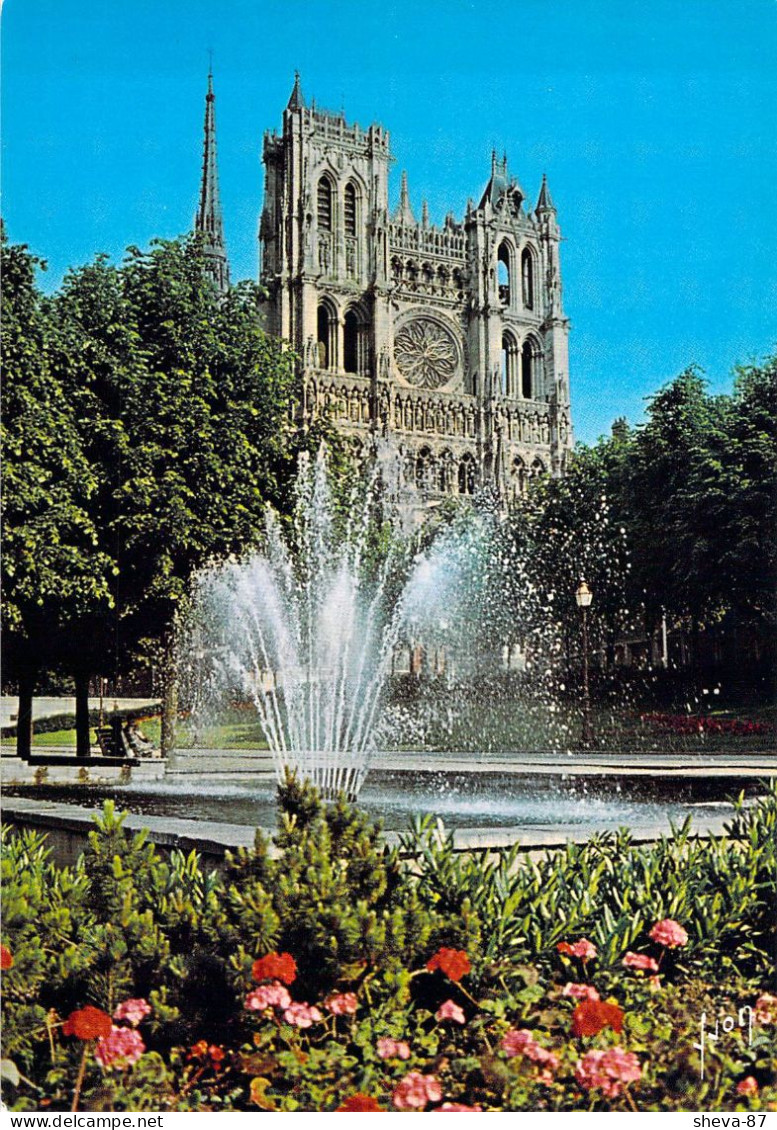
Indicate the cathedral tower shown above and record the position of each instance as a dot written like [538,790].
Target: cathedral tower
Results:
[208,222]
[449,340]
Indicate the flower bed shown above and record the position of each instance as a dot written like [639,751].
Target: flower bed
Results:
[701,724]
[337,977]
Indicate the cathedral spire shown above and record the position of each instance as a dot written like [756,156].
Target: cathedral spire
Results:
[297,98]
[404,213]
[208,222]
[544,202]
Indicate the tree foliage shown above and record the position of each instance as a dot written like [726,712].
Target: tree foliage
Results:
[146,424]
[676,516]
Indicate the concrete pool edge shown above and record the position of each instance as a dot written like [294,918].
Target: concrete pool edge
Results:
[68,826]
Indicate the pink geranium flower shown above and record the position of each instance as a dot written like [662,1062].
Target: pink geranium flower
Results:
[521,1042]
[608,1070]
[133,1011]
[415,1091]
[274,995]
[301,1014]
[641,961]
[450,1011]
[342,1004]
[583,949]
[580,992]
[747,1086]
[389,1048]
[669,933]
[765,1010]
[457,1106]
[122,1047]
[516,1041]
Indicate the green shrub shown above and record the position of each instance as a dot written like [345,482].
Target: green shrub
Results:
[361,921]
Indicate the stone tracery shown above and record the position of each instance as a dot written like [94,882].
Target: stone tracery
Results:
[425,353]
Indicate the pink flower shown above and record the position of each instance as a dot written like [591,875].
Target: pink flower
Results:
[747,1086]
[274,995]
[583,949]
[457,1106]
[415,1091]
[542,1057]
[342,1004]
[450,1011]
[515,1041]
[120,1048]
[580,992]
[655,983]
[301,1014]
[608,1070]
[389,1048]
[640,961]
[133,1011]
[765,1010]
[669,933]
[522,1042]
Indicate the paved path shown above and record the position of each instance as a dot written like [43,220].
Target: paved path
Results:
[214,762]
[49,707]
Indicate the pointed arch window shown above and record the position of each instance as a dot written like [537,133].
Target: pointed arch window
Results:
[327,337]
[518,477]
[529,370]
[355,342]
[424,470]
[503,273]
[467,475]
[324,204]
[349,209]
[509,365]
[527,277]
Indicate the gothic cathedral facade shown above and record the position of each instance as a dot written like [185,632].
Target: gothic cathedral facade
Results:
[451,341]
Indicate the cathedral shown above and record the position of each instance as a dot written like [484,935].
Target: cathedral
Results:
[449,342]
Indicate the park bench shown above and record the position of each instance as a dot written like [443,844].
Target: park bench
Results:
[112,742]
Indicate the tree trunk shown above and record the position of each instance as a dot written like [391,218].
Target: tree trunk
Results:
[169,699]
[24,727]
[83,734]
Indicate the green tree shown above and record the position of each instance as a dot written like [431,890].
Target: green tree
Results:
[185,416]
[747,527]
[52,567]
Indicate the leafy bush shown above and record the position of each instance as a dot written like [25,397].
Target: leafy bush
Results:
[325,971]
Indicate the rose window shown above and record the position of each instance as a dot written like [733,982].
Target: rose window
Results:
[425,353]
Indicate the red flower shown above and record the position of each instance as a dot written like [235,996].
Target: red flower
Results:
[359,1103]
[590,1017]
[275,966]
[6,958]
[88,1023]
[583,949]
[453,963]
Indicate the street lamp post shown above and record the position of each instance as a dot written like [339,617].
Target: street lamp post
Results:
[584,596]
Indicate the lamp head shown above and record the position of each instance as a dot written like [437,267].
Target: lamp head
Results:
[583,596]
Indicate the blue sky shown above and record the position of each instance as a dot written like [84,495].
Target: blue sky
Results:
[656,124]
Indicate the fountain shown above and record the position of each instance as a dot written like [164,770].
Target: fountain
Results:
[307,628]
[306,631]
